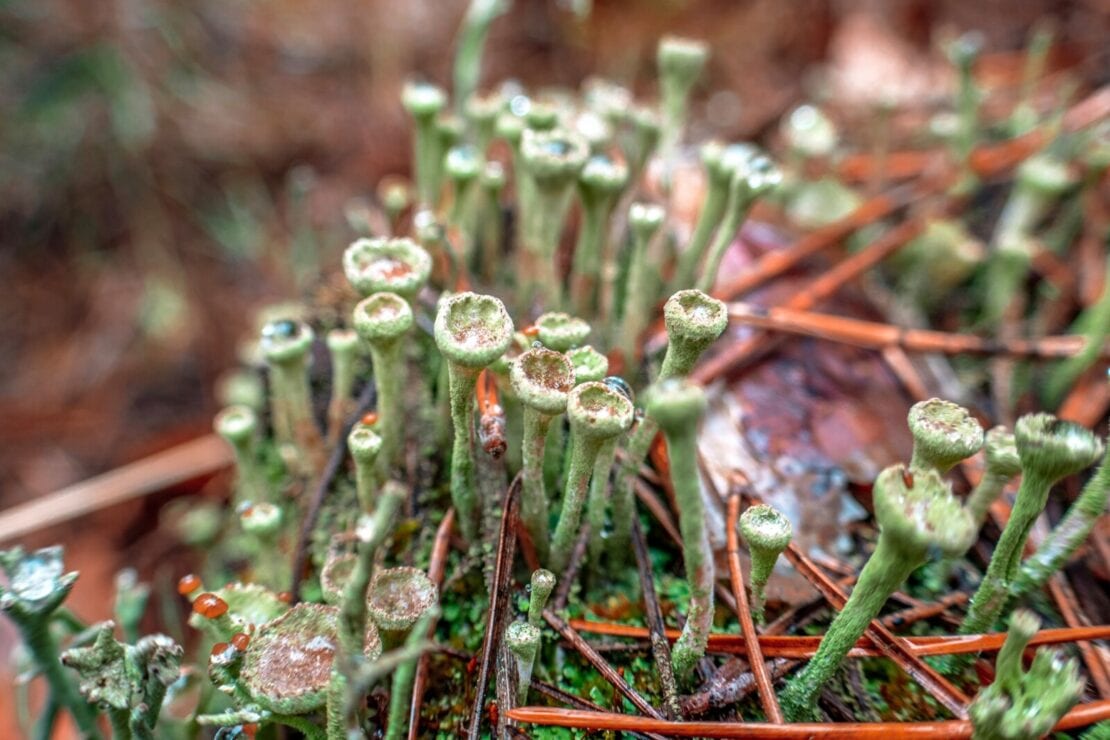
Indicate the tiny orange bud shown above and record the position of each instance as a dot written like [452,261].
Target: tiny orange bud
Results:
[210,606]
[240,640]
[285,597]
[218,649]
[530,331]
[370,418]
[188,584]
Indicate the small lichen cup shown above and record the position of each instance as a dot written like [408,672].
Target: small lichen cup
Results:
[596,413]
[767,532]
[471,331]
[542,380]
[382,321]
[944,433]
[394,265]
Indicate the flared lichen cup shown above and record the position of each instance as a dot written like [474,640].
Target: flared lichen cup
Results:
[287,665]
[944,433]
[397,599]
[693,320]
[561,331]
[473,330]
[589,364]
[542,379]
[397,265]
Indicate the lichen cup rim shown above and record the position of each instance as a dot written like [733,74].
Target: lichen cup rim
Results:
[382,316]
[765,526]
[918,508]
[279,348]
[389,611]
[543,379]
[387,264]
[472,329]
[692,314]
[598,410]
[313,632]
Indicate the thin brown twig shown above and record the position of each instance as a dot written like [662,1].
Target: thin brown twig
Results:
[1064,597]
[817,290]
[437,565]
[763,683]
[877,335]
[607,671]
[660,648]
[961,728]
[804,646]
[564,697]
[502,579]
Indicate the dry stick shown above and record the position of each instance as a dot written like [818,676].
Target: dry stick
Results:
[556,694]
[437,564]
[797,647]
[577,555]
[1083,716]
[660,648]
[607,671]
[193,460]
[818,290]
[763,683]
[1064,597]
[877,335]
[327,475]
[502,579]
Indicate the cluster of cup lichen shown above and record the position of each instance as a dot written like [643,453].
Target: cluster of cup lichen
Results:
[437,398]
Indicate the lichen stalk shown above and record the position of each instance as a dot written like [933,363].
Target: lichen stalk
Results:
[343,348]
[424,101]
[596,413]
[1050,450]
[238,425]
[693,321]
[677,406]
[680,62]
[383,320]
[542,584]
[365,446]
[286,346]
[1002,465]
[767,532]
[918,516]
[752,177]
[717,179]
[598,500]
[372,532]
[599,185]
[471,331]
[1067,536]
[644,221]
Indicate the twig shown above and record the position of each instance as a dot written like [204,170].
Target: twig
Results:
[1065,600]
[502,578]
[327,475]
[563,697]
[763,683]
[804,646]
[877,335]
[657,630]
[546,716]
[562,590]
[607,671]
[437,564]
[817,290]
[189,461]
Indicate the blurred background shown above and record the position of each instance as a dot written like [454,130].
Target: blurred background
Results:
[166,166]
